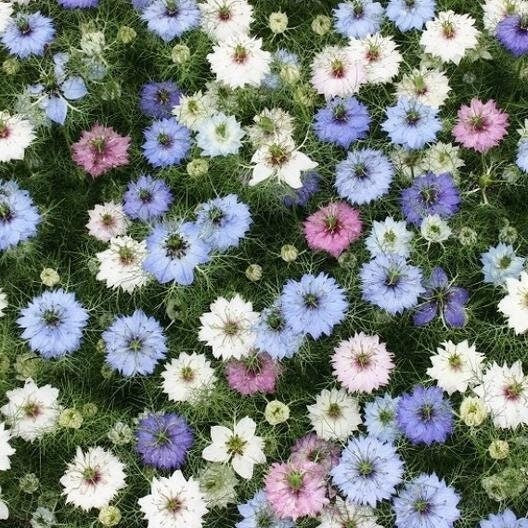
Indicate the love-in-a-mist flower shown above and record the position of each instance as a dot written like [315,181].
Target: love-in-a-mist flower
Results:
[193,109]
[512,33]
[157,99]
[389,237]
[147,198]
[222,19]
[311,448]
[345,513]
[6,10]
[434,229]
[429,86]
[5,448]
[380,418]
[257,511]
[515,304]
[410,14]
[218,484]
[441,158]
[505,519]
[219,135]
[301,196]
[270,125]
[107,221]
[254,373]
[28,34]
[171,18]
[358,18]
[78,4]
[16,134]
[166,142]
[284,69]
[500,263]
[521,159]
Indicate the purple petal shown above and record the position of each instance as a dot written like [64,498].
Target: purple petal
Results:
[438,278]
[455,314]
[425,314]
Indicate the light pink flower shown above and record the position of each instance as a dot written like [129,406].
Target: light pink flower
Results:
[253,374]
[480,125]
[333,228]
[311,448]
[362,363]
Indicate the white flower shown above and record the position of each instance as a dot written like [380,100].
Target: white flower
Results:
[222,19]
[240,446]
[473,411]
[4,510]
[455,367]
[504,391]
[276,412]
[515,305]
[92,479]
[188,377]
[335,414]
[435,229]
[344,513]
[3,302]
[228,327]
[173,503]
[407,162]
[281,160]
[107,221]
[121,265]
[219,135]
[271,125]
[428,86]
[5,448]
[32,411]
[495,10]
[449,36]
[240,61]
[193,109]
[442,157]
[92,43]
[16,134]
[6,10]
[389,237]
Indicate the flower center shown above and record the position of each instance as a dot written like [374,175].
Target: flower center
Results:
[171,8]
[174,505]
[176,246]
[412,117]
[23,26]
[31,409]
[187,374]
[426,412]
[357,8]
[420,88]
[224,13]
[91,476]
[4,130]
[5,212]
[135,345]
[145,195]
[236,445]
[410,3]
[295,480]
[162,438]
[478,122]
[385,416]
[332,223]
[505,261]
[51,317]
[340,113]
[429,195]
[334,411]
[240,54]
[98,144]
[275,321]
[421,506]
[513,391]
[107,219]
[216,215]
[231,328]
[163,96]
[338,68]
[363,359]
[126,255]
[448,29]
[373,53]
[393,277]
[454,361]
[164,139]
[264,520]
[277,155]
[311,300]
[360,170]
[365,468]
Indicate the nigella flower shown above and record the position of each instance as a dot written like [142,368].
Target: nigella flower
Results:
[255,373]
[512,33]
[342,121]
[257,513]
[424,416]
[74,4]
[166,143]
[157,99]
[522,155]
[174,250]
[313,305]
[426,501]
[162,440]
[411,124]
[147,198]
[410,14]
[222,222]
[429,195]
[27,35]
[368,471]
[283,65]
[171,18]
[365,174]
[500,263]
[310,185]
[380,418]
[506,519]
[53,323]
[442,297]
[358,18]
[389,282]
[134,344]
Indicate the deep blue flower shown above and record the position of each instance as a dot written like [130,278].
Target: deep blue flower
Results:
[134,344]
[147,198]
[53,323]
[430,194]
[368,470]
[163,440]
[380,418]
[358,18]
[342,121]
[426,502]
[166,143]
[73,4]
[141,4]
[257,513]
[500,263]
[411,124]
[512,33]
[522,155]
[222,222]
[280,59]
[174,251]
[171,18]
[442,297]
[389,282]
[506,519]
[364,175]
[28,34]
[424,416]
[314,304]
[19,217]
[410,14]
[157,99]
[300,197]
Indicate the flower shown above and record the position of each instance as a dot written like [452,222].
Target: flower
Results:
[380,418]
[257,512]
[343,513]
[426,501]
[221,19]
[217,483]
[499,449]
[193,109]
[157,99]
[109,516]
[284,69]
[228,327]
[73,4]
[219,135]
[473,411]
[368,471]
[335,414]
[434,229]
[166,143]
[410,15]
[442,157]
[174,502]
[16,134]
[5,448]
[515,305]
[100,149]
[311,448]
[480,126]
[53,323]
[521,158]
[424,416]
[301,196]
[28,34]
[505,519]
[134,344]
[358,19]
[333,228]
[147,198]
[364,176]
[512,34]
[6,10]
[253,374]
[389,237]
[49,277]
[239,446]
[276,412]
[362,363]
[120,434]
[426,85]
[270,125]
[313,305]
[500,263]
[107,221]
[496,10]
[278,22]
[163,439]
[171,18]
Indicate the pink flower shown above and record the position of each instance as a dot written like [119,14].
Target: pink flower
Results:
[295,490]
[362,363]
[333,228]
[480,125]
[253,374]
[100,149]
[311,448]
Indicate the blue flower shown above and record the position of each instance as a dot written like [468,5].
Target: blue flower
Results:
[342,121]
[27,35]
[73,4]
[512,33]
[171,18]
[19,217]
[500,263]
[139,5]
[358,18]
[53,323]
[314,304]
[424,416]
[157,99]
[426,501]
[174,250]
[280,59]
[506,519]
[389,282]
[134,344]
[380,418]
[364,175]
[222,222]
[257,513]
[413,14]
[411,124]
[166,143]
[147,198]
[310,185]
[522,155]
[368,470]
[163,440]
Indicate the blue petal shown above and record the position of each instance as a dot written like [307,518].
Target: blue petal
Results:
[74,88]
[56,109]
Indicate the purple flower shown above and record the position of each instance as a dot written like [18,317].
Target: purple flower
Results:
[512,33]
[26,35]
[301,196]
[147,198]
[157,99]
[424,416]
[428,195]
[442,297]
[166,143]
[72,4]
